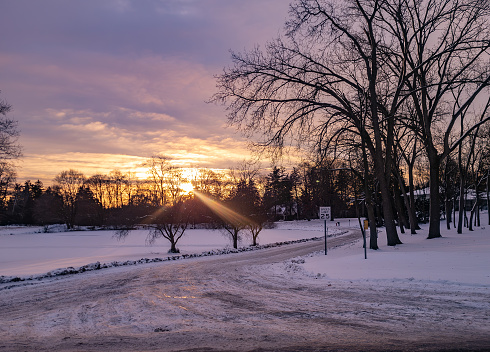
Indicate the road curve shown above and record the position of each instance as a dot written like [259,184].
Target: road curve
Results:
[238,302]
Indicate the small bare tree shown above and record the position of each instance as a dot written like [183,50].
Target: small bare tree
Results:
[169,222]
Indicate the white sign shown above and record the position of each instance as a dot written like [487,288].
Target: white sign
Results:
[325,213]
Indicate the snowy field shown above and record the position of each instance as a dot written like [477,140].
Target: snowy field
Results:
[27,251]
[453,258]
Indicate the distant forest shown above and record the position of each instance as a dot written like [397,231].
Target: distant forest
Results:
[118,200]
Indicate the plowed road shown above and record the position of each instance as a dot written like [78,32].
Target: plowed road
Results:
[238,302]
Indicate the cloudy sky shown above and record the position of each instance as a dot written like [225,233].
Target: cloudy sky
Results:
[102,85]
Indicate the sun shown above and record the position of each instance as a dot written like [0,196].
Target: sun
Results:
[187,187]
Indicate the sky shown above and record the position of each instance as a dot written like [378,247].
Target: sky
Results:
[103,85]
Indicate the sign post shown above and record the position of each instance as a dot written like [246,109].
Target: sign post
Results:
[366,226]
[325,214]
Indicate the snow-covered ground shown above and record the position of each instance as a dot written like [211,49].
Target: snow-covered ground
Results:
[454,258]
[27,251]
[463,258]
[423,295]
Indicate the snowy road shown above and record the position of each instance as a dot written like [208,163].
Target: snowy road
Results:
[238,302]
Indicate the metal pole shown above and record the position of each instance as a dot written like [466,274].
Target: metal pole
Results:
[325,230]
[365,246]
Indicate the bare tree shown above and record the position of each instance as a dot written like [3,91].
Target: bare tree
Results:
[255,226]
[129,187]
[9,134]
[158,169]
[169,222]
[440,49]
[174,180]
[117,181]
[10,150]
[321,78]
[7,180]
[167,180]
[210,183]
[68,184]
[98,185]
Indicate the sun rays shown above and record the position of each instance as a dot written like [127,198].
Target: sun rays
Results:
[187,187]
[225,213]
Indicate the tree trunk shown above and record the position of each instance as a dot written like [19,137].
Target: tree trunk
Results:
[447,202]
[448,214]
[382,157]
[373,232]
[412,200]
[386,197]
[435,203]
[472,214]
[235,239]
[377,206]
[173,247]
[488,197]
[388,214]
[477,202]
[399,208]
[412,223]
[477,219]
[454,211]
[461,204]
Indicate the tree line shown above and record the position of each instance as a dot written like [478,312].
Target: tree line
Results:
[240,200]
[109,200]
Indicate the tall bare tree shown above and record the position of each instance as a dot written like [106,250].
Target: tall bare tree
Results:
[210,183]
[440,49]
[10,150]
[97,184]
[9,134]
[159,168]
[68,184]
[7,180]
[322,77]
